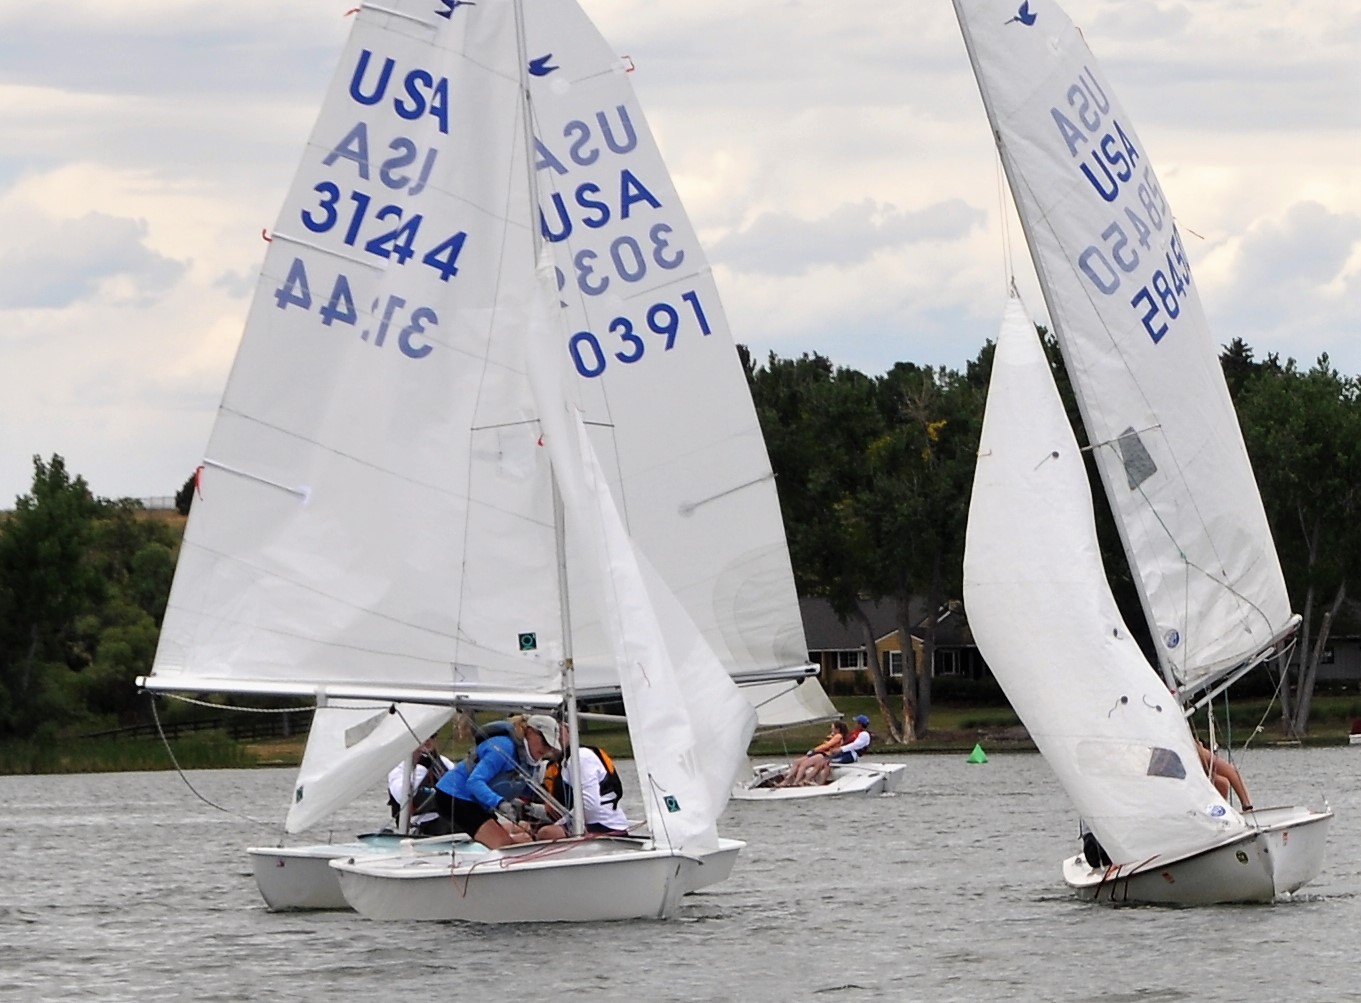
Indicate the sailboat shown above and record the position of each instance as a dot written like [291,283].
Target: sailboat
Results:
[485,400]
[1166,441]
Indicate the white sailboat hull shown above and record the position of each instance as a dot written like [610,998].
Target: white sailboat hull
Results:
[590,880]
[863,778]
[1282,854]
[294,878]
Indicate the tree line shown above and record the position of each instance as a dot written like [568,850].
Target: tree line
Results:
[874,475]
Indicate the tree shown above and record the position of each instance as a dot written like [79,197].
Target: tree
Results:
[184,497]
[921,470]
[1303,432]
[817,422]
[47,582]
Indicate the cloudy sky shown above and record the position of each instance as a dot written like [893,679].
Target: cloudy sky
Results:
[833,156]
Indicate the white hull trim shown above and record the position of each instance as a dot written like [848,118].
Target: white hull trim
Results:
[864,778]
[1282,854]
[589,880]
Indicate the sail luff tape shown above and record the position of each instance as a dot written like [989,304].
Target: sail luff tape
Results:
[303,494]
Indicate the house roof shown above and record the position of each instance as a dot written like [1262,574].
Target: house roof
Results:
[824,631]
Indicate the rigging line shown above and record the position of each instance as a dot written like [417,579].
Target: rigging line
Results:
[1004,221]
[235,707]
[180,770]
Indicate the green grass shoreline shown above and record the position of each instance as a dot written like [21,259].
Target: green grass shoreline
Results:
[953,729]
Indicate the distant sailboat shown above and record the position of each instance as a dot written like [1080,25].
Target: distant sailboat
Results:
[488,443]
[1163,430]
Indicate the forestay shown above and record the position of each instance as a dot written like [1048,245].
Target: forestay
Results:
[1044,618]
[1143,363]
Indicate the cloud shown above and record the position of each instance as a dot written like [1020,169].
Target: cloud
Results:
[1294,287]
[779,243]
[69,260]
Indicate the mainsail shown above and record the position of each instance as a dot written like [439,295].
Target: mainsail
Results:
[1144,366]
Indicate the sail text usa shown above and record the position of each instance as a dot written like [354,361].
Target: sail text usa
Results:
[1139,254]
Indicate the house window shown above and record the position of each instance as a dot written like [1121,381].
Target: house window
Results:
[850,660]
[895,663]
[947,662]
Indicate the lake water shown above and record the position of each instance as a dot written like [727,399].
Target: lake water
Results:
[126,887]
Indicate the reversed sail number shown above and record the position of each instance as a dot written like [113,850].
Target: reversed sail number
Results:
[408,327]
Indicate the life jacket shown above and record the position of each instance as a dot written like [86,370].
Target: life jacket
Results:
[509,785]
[852,737]
[611,788]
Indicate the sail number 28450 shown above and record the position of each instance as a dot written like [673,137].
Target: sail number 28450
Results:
[1110,264]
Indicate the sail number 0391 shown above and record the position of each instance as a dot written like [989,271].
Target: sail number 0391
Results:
[662,319]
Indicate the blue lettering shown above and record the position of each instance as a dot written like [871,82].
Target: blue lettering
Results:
[360,69]
[1124,170]
[598,210]
[631,190]
[422,92]
[575,151]
[546,159]
[1106,193]
[1071,134]
[407,152]
[562,234]
[416,84]
[354,147]
[631,137]
[584,200]
[620,137]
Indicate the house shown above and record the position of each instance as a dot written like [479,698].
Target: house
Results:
[840,649]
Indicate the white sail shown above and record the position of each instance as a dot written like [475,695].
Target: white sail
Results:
[1044,619]
[374,488]
[658,377]
[350,750]
[1143,363]
[373,491]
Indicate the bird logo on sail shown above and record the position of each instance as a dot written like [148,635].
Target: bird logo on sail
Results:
[1024,15]
[539,67]
[453,5]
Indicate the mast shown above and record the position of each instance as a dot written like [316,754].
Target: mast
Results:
[573,750]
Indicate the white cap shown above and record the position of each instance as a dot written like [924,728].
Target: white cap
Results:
[546,727]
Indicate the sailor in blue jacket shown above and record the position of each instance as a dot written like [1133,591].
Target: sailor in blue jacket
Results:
[476,794]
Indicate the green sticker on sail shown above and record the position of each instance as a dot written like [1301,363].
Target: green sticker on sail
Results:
[529,641]
[672,805]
